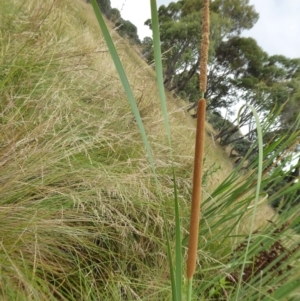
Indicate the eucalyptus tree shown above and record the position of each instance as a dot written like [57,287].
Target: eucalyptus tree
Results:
[180,29]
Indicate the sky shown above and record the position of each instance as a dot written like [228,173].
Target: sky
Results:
[277,30]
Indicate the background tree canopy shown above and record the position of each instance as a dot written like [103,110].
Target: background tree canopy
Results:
[124,27]
[180,29]
[104,6]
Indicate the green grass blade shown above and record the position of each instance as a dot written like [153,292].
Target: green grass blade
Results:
[178,248]
[158,67]
[190,289]
[162,96]
[259,180]
[124,80]
[169,251]
[285,290]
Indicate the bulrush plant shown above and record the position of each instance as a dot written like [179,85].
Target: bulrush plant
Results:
[199,152]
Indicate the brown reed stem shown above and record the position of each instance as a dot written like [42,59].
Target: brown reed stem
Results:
[196,194]
[204,47]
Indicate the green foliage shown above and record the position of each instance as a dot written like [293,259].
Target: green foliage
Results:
[285,182]
[126,29]
[218,290]
[244,58]
[114,15]
[217,120]
[241,146]
[104,6]
[147,49]
[210,171]
[243,16]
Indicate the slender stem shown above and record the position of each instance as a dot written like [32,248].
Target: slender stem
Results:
[189,293]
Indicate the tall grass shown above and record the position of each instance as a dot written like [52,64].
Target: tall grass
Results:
[82,216]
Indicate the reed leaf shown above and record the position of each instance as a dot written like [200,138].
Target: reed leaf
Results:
[124,80]
[176,280]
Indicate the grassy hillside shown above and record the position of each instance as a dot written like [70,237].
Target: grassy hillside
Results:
[81,217]
[78,204]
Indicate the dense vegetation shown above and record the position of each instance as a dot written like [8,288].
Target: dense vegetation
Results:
[81,216]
